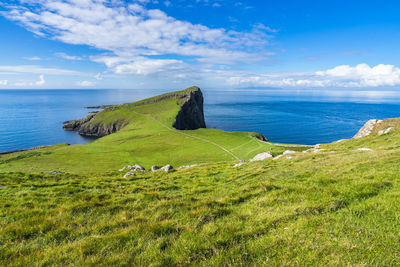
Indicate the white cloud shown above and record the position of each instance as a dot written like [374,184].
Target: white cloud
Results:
[41,82]
[4,82]
[148,66]
[86,84]
[37,70]
[35,58]
[68,57]
[135,31]
[361,75]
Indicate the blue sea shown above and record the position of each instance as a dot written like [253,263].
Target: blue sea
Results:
[30,118]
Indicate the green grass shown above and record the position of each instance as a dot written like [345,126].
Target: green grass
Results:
[316,209]
[148,139]
[336,207]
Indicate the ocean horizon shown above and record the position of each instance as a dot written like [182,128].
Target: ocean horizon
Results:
[31,118]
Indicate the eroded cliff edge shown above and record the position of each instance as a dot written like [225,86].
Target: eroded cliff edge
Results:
[191,114]
[189,117]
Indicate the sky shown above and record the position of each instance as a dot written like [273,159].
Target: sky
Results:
[221,44]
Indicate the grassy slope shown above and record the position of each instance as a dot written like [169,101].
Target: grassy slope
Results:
[335,207]
[321,208]
[147,140]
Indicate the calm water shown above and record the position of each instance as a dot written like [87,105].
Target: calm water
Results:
[30,118]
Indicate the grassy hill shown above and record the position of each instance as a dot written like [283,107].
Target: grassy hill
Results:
[148,138]
[333,206]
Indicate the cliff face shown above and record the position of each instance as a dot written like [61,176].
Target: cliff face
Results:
[191,115]
[86,127]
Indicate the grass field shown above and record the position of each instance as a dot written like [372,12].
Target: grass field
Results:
[148,139]
[335,207]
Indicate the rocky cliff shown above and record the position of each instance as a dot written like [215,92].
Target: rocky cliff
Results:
[86,127]
[189,117]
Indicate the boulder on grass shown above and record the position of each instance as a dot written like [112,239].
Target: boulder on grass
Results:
[129,174]
[262,156]
[167,168]
[155,168]
[288,152]
[386,131]
[238,164]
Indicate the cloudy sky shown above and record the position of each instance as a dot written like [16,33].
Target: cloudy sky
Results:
[297,45]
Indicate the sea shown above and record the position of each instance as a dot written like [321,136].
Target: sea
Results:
[31,118]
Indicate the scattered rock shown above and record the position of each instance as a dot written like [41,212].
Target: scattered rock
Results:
[277,157]
[363,149]
[129,174]
[318,150]
[367,128]
[188,166]
[137,167]
[167,168]
[262,156]
[289,157]
[288,152]
[55,172]
[155,168]
[129,167]
[238,164]
[317,146]
[382,132]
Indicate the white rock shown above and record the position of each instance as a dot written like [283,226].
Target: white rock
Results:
[367,128]
[137,167]
[363,149]
[382,132]
[188,166]
[154,168]
[318,150]
[277,157]
[238,164]
[167,168]
[129,167]
[262,156]
[289,157]
[288,152]
[129,174]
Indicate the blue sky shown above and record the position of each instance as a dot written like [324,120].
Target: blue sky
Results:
[297,45]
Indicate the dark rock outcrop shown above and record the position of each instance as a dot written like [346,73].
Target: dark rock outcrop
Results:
[86,127]
[191,115]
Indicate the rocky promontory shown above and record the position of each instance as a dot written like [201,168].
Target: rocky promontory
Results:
[189,117]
